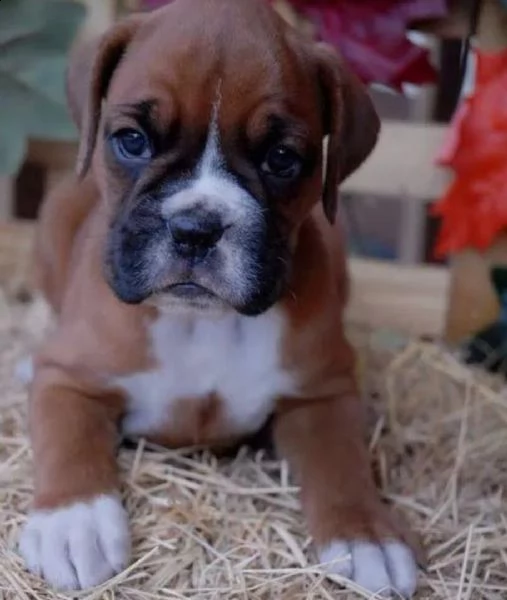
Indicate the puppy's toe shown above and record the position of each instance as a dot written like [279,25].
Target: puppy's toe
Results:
[24,370]
[77,547]
[380,568]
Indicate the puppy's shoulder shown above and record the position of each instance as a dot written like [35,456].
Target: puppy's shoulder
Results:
[320,270]
[61,216]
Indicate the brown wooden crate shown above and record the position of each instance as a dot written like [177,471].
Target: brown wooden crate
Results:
[388,295]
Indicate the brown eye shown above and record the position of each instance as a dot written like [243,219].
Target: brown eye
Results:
[132,145]
[283,162]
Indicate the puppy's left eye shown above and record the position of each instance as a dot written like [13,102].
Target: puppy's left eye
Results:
[132,145]
[283,162]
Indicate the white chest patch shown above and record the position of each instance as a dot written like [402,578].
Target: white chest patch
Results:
[237,358]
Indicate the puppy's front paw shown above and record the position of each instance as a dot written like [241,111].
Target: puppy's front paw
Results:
[79,546]
[370,547]
[382,568]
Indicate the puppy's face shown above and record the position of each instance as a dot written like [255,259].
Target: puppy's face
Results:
[211,172]
[209,152]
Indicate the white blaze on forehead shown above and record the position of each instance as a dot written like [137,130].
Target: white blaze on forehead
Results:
[212,160]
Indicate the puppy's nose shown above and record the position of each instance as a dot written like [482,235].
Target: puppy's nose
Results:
[195,233]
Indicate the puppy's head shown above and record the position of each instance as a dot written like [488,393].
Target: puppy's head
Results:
[203,124]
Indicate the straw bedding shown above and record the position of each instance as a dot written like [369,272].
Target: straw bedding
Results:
[209,528]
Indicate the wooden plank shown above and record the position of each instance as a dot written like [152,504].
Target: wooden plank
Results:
[403,163]
[412,300]
[473,303]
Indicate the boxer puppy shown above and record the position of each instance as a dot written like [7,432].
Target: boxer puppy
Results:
[199,284]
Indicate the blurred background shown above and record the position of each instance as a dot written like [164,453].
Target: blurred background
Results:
[432,195]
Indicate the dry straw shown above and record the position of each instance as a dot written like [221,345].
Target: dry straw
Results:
[209,528]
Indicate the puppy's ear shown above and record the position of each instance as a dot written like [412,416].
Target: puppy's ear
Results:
[91,66]
[350,121]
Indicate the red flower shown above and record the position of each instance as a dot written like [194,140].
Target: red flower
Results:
[372,36]
[474,208]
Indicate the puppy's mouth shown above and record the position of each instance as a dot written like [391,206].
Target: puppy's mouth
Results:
[185,296]
[189,291]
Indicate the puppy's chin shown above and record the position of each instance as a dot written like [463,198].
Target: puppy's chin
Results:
[210,305]
[187,298]
[168,304]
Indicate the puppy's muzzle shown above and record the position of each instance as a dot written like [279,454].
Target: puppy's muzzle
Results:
[195,233]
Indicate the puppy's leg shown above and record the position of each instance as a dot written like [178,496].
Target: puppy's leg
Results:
[356,535]
[77,534]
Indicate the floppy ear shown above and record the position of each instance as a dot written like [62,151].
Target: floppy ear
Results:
[91,66]
[350,121]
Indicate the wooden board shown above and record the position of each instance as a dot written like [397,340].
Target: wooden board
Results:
[403,163]
[408,299]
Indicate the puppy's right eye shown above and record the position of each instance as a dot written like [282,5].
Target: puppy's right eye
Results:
[132,145]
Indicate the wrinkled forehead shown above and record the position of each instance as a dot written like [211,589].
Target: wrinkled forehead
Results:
[239,73]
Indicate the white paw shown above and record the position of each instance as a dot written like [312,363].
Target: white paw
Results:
[77,547]
[383,569]
[24,369]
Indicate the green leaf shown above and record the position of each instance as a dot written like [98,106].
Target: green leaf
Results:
[41,117]
[19,19]
[35,38]
[12,150]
